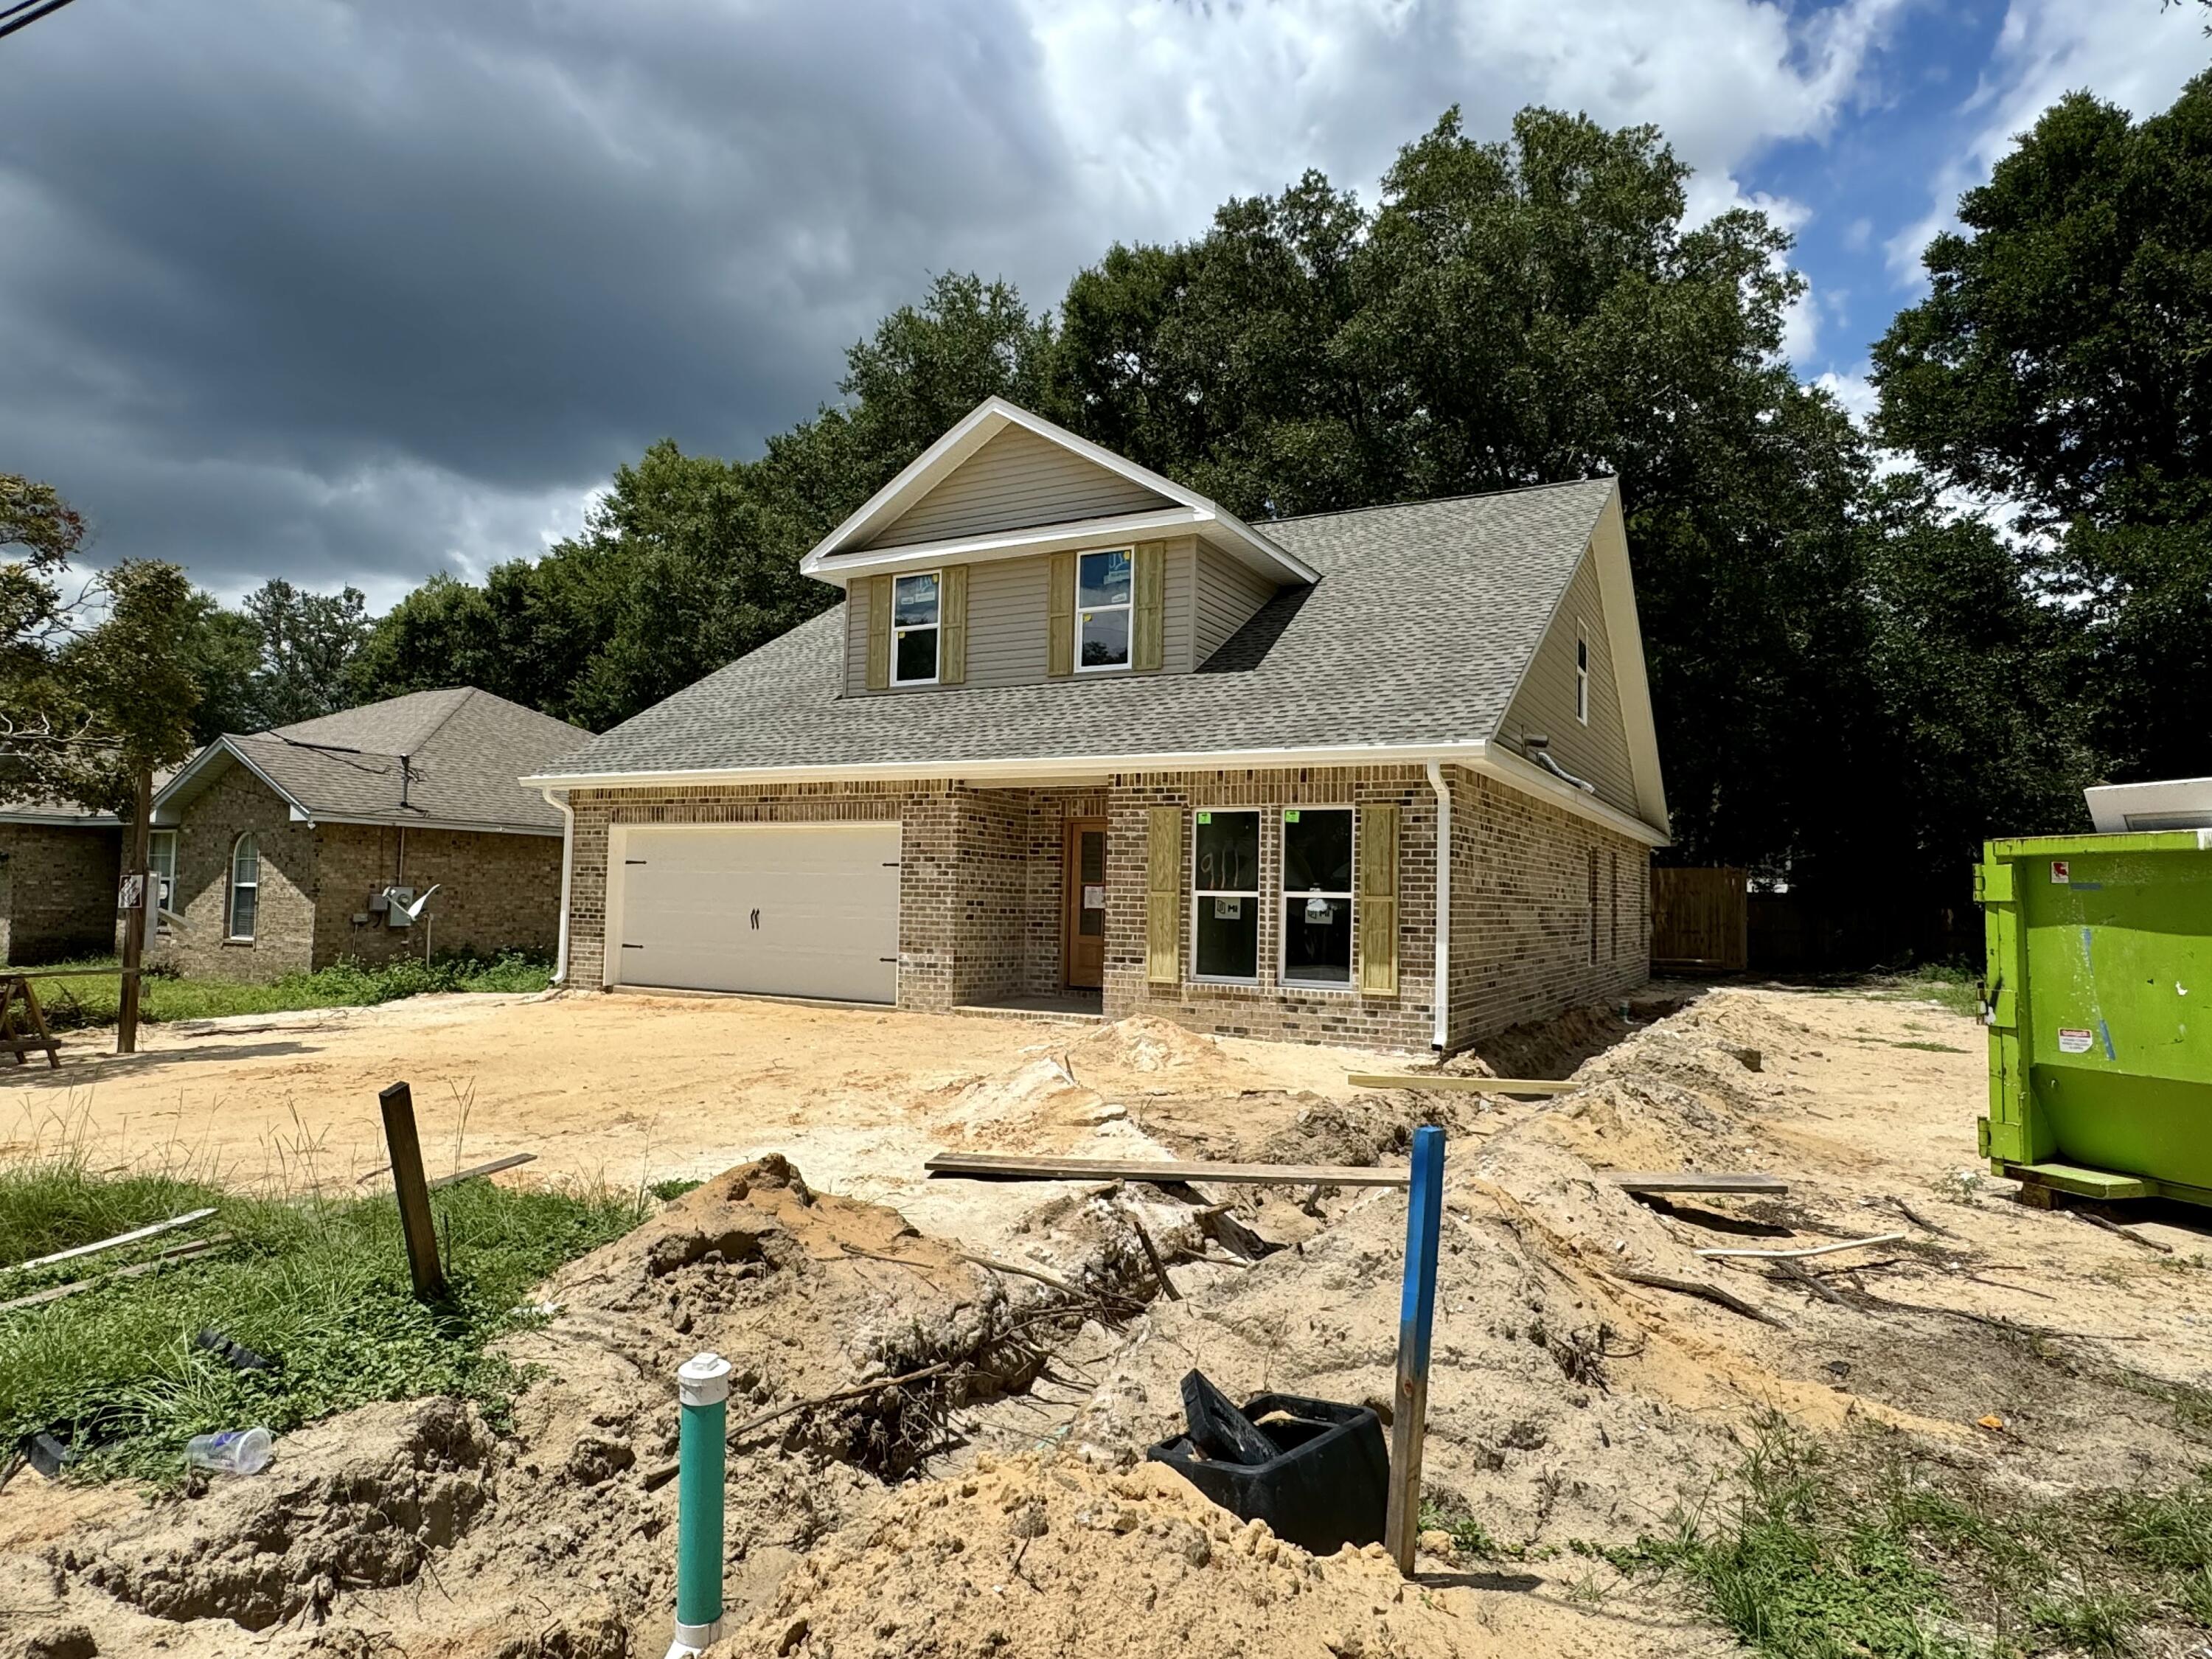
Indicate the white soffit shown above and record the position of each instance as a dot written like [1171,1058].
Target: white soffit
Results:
[2176,804]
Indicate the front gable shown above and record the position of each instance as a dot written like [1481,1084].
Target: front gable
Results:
[1018,480]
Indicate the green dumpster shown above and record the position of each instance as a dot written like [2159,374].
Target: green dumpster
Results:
[2099,1002]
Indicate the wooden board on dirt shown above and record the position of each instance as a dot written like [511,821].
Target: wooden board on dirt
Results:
[986,1166]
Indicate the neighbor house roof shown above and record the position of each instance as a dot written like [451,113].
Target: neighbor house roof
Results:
[446,759]
[1415,637]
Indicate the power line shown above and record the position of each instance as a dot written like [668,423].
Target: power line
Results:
[33,10]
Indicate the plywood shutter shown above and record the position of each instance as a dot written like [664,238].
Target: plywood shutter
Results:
[1378,901]
[879,632]
[1163,895]
[1059,609]
[1148,621]
[952,626]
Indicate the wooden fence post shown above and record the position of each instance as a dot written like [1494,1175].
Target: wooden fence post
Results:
[413,1193]
[1417,1320]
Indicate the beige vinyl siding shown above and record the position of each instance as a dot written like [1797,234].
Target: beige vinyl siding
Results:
[1006,613]
[1228,594]
[1546,701]
[1017,481]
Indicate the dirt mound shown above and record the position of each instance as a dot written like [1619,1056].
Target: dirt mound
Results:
[1547,1048]
[1142,1043]
[407,1480]
[1046,1556]
[1687,1093]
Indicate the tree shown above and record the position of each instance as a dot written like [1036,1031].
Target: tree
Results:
[308,641]
[2061,367]
[45,532]
[1525,312]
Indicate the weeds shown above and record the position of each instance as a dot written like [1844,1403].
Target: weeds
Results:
[320,1285]
[1860,1551]
[72,1004]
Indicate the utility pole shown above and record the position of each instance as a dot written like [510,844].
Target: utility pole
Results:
[134,921]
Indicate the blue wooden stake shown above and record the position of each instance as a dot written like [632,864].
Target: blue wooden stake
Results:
[1417,1323]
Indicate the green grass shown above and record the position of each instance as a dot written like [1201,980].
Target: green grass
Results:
[74,1003]
[319,1284]
[1820,1554]
[1954,985]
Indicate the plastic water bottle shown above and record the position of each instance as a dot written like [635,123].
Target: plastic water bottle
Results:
[232,1451]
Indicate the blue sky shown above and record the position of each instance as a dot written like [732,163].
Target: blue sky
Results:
[356,290]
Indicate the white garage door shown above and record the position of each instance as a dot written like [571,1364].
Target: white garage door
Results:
[799,910]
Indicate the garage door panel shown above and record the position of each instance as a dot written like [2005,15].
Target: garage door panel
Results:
[782,910]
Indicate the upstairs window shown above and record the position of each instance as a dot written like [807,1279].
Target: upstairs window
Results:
[1317,896]
[1102,586]
[1582,674]
[1225,896]
[245,887]
[914,630]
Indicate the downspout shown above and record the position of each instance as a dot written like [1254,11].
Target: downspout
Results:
[568,849]
[1440,994]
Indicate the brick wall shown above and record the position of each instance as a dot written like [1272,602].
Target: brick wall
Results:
[284,929]
[1527,941]
[1268,1009]
[57,892]
[496,893]
[981,895]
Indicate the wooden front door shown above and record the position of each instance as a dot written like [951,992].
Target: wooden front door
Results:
[1083,929]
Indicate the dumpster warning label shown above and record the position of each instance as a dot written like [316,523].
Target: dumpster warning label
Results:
[2059,873]
[2074,1042]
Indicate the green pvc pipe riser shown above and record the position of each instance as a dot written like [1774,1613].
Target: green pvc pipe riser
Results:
[700,1443]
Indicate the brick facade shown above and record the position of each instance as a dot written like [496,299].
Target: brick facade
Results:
[499,891]
[1549,909]
[58,887]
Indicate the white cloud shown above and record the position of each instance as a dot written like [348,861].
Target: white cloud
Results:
[2126,54]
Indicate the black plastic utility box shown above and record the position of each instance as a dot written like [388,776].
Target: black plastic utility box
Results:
[1329,1487]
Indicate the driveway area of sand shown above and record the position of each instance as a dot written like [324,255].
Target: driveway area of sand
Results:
[629,1089]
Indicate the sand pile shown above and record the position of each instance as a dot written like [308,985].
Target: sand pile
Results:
[1036,1556]
[1143,1043]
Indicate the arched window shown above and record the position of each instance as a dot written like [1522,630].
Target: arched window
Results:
[244,886]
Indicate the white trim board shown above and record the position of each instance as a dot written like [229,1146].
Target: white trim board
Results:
[1474,754]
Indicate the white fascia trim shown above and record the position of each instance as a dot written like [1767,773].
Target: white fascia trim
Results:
[63,820]
[559,803]
[1474,754]
[163,816]
[1624,631]
[465,826]
[1122,529]
[985,421]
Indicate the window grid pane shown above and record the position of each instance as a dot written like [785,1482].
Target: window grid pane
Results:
[1225,896]
[916,656]
[914,601]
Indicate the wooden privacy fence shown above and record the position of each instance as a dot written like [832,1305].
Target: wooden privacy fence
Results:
[1699,919]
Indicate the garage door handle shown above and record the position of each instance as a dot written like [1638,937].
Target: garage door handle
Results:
[755,921]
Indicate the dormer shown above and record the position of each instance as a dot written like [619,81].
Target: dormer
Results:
[1012,552]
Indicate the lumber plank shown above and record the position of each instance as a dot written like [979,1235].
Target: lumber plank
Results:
[470,1174]
[1695,1181]
[1453,1082]
[993,1166]
[161,1259]
[189,1218]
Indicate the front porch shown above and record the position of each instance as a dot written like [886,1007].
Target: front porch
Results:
[1015,902]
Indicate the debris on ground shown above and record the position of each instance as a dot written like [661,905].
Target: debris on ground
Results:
[937,1435]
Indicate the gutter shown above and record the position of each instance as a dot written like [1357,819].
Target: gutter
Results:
[568,862]
[1440,991]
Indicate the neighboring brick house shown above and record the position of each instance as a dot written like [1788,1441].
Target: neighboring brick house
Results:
[1079,738]
[60,867]
[289,849]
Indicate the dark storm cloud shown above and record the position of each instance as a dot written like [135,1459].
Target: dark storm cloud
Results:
[331,290]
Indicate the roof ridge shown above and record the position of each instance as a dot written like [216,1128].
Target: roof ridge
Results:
[1440,501]
[444,719]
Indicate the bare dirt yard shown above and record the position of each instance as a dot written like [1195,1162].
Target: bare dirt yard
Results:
[1976,1433]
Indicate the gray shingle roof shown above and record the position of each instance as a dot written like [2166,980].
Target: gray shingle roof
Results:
[465,750]
[1419,630]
